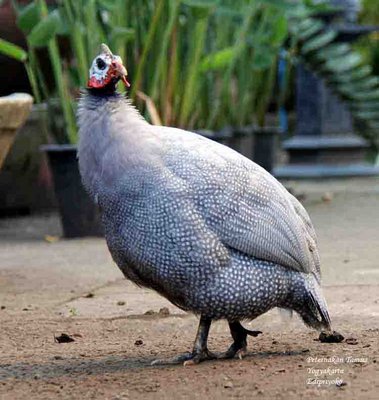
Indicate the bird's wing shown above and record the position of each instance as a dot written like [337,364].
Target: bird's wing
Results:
[245,206]
[265,222]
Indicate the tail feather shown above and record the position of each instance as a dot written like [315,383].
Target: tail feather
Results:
[316,312]
[320,304]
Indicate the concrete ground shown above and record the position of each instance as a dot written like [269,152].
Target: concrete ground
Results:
[50,286]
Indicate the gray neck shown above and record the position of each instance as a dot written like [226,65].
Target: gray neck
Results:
[113,137]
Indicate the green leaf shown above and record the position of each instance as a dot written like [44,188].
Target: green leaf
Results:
[345,63]
[123,33]
[333,50]
[367,115]
[318,41]
[280,4]
[108,5]
[28,17]
[365,106]
[280,32]
[262,60]
[370,82]
[313,27]
[305,23]
[45,30]
[11,50]
[372,95]
[352,76]
[362,72]
[201,9]
[224,11]
[217,60]
[63,27]
[199,3]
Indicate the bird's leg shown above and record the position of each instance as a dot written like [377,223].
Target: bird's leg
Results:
[200,350]
[239,345]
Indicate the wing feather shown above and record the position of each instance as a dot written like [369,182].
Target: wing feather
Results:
[246,207]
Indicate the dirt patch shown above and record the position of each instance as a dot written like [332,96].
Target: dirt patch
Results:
[110,358]
[118,329]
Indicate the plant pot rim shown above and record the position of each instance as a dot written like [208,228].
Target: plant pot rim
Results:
[49,148]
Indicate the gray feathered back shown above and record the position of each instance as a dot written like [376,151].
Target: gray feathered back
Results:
[231,201]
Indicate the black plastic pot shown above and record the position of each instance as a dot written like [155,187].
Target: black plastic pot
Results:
[257,143]
[79,216]
[265,144]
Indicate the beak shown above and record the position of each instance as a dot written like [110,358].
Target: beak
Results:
[121,72]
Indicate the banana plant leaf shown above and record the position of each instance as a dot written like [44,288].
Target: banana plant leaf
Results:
[45,30]
[28,17]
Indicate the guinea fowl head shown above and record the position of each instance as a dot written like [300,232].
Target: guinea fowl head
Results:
[106,70]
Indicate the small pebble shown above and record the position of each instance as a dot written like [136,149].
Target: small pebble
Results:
[228,385]
[227,382]
[164,311]
[63,338]
[121,303]
[327,197]
[352,341]
[333,337]
[138,342]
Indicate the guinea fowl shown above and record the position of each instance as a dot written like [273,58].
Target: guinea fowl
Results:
[199,223]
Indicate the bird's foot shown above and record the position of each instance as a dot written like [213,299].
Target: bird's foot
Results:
[237,348]
[187,358]
[252,333]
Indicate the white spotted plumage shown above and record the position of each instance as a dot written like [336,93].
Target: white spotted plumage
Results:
[199,223]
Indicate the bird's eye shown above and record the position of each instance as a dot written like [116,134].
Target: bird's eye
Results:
[100,63]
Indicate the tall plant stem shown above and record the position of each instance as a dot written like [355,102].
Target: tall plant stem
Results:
[266,92]
[191,83]
[148,44]
[239,47]
[77,41]
[33,82]
[174,7]
[60,82]
[171,79]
